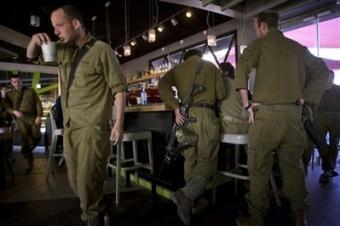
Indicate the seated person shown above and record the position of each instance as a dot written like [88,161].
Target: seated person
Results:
[234,119]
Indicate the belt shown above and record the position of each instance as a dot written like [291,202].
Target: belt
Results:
[228,118]
[204,105]
[274,107]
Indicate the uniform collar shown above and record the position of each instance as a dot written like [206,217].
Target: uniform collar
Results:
[272,32]
[88,38]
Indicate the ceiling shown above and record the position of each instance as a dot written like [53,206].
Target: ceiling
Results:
[15,28]
[17,16]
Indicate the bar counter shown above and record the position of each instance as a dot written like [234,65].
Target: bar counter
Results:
[147,108]
[158,119]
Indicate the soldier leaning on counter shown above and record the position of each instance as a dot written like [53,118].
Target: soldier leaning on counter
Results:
[201,160]
[87,97]
[25,106]
[286,74]
[328,121]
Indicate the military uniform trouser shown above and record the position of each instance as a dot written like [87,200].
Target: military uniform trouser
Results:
[329,122]
[30,136]
[276,127]
[201,160]
[86,151]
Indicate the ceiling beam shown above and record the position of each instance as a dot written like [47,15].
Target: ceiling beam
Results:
[13,37]
[8,52]
[4,66]
[254,7]
[212,8]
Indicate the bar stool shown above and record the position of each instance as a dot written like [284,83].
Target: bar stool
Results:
[55,132]
[116,159]
[238,140]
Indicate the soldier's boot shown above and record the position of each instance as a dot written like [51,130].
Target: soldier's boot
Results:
[250,221]
[183,206]
[299,219]
[324,178]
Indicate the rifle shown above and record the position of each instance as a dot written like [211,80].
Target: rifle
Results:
[171,151]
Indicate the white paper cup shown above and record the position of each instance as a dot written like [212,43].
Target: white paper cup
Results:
[139,100]
[49,51]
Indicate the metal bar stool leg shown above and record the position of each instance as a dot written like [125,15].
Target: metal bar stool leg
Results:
[120,148]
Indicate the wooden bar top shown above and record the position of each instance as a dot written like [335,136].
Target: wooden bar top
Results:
[147,108]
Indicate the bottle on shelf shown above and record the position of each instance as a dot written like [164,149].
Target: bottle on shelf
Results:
[144,96]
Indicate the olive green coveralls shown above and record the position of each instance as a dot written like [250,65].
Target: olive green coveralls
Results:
[87,113]
[201,160]
[234,119]
[285,72]
[328,121]
[31,107]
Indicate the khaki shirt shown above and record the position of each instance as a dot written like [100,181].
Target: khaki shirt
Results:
[30,104]
[182,76]
[231,105]
[285,71]
[330,100]
[97,78]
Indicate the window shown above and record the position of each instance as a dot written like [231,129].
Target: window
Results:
[322,37]
[224,51]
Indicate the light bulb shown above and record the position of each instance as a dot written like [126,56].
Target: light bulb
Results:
[152,35]
[211,39]
[127,50]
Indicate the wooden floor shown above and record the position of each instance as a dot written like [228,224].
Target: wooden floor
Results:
[30,200]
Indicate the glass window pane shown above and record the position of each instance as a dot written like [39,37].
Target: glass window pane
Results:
[329,33]
[306,35]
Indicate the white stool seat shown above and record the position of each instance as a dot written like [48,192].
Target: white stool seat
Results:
[119,157]
[234,138]
[237,140]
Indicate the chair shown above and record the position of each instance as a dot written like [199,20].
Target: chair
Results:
[6,133]
[116,159]
[238,140]
[55,132]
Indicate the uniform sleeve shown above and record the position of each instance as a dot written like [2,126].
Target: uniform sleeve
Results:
[246,63]
[165,91]
[112,71]
[9,106]
[316,80]
[220,86]
[38,104]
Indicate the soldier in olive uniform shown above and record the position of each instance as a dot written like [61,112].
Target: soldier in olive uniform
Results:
[234,119]
[200,160]
[25,106]
[328,121]
[87,106]
[286,72]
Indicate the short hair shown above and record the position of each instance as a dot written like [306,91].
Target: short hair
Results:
[192,52]
[227,69]
[15,76]
[72,12]
[269,17]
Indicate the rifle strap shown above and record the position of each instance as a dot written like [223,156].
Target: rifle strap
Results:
[80,54]
[197,72]
[17,105]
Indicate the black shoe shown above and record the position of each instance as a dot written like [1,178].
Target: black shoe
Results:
[324,178]
[183,206]
[333,173]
